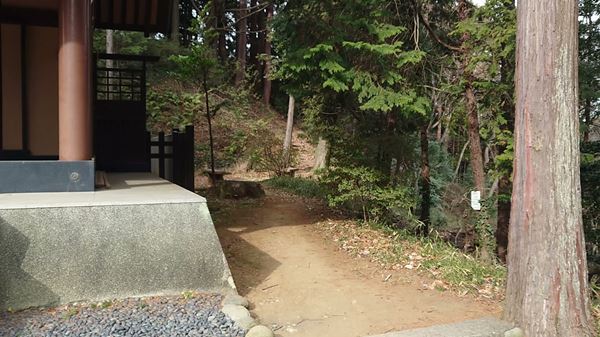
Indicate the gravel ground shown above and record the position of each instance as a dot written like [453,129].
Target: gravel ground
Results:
[199,315]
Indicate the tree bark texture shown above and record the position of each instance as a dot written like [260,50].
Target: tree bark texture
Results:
[547,290]
[242,42]
[267,68]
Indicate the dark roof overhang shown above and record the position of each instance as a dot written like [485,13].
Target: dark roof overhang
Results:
[148,16]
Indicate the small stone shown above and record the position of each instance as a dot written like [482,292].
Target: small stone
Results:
[516,332]
[240,315]
[236,300]
[260,331]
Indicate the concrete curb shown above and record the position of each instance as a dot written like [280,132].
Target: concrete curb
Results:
[486,327]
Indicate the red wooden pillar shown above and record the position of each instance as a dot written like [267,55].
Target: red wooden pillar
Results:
[74,109]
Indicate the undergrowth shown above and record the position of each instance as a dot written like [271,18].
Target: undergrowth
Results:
[303,187]
[399,249]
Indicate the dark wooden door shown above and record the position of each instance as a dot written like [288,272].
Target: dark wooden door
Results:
[121,142]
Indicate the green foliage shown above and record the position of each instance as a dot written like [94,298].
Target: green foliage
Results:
[590,190]
[589,65]
[492,46]
[364,56]
[363,189]
[303,187]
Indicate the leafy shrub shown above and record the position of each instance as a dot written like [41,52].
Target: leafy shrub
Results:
[308,188]
[364,190]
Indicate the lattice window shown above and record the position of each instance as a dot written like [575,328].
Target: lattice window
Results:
[118,84]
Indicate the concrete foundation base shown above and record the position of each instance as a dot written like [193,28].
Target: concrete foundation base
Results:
[144,236]
[486,327]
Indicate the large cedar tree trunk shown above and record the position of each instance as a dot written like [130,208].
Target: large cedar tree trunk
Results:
[242,42]
[547,291]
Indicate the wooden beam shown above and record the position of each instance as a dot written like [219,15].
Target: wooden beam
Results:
[124,12]
[28,16]
[147,18]
[111,11]
[127,57]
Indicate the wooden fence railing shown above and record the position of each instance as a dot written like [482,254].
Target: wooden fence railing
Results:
[175,155]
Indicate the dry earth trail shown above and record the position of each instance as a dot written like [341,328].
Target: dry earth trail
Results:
[303,285]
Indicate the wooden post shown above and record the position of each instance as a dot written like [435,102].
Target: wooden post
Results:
[74,116]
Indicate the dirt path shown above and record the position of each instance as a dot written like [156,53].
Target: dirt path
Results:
[302,285]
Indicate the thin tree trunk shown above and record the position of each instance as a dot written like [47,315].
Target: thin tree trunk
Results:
[253,35]
[267,71]
[321,155]
[460,159]
[287,143]
[425,182]
[209,121]
[175,22]
[476,157]
[219,21]
[547,291]
[587,112]
[110,64]
[242,42]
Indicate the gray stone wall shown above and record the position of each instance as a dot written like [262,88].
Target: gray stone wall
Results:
[50,256]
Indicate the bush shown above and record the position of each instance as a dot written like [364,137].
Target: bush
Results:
[300,186]
[266,151]
[364,190]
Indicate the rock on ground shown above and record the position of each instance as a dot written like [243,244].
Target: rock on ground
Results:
[236,300]
[197,316]
[260,331]
[230,189]
[240,315]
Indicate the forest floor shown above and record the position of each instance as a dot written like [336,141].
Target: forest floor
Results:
[300,282]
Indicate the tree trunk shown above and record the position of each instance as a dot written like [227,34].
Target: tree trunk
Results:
[209,121]
[425,182]
[287,143]
[503,219]
[476,157]
[175,22]
[242,42]
[110,64]
[321,155]
[547,290]
[253,35]
[219,17]
[587,114]
[267,69]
